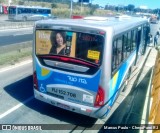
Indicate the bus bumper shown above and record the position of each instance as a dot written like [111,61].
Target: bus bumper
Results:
[74,107]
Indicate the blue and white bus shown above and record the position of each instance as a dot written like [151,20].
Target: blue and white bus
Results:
[24,13]
[97,57]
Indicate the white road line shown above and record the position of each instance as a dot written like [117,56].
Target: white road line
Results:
[14,66]
[15,107]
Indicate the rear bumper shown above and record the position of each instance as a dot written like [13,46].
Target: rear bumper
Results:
[74,107]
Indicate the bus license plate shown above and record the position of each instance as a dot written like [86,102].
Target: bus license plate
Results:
[63,92]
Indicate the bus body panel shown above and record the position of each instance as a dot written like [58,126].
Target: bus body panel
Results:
[107,59]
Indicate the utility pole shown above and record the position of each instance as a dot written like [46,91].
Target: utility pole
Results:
[81,6]
[8,2]
[71,9]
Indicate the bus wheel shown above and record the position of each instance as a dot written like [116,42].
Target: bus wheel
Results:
[24,19]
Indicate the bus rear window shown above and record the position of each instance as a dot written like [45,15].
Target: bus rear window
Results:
[84,46]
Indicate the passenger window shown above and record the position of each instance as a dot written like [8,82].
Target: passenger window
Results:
[129,43]
[114,55]
[117,53]
[119,50]
[134,39]
[125,41]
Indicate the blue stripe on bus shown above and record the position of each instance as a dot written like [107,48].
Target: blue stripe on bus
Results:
[46,77]
[118,78]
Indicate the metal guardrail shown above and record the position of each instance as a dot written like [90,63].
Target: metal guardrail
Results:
[15,25]
[154,116]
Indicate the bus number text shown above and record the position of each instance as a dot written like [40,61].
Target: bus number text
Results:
[75,79]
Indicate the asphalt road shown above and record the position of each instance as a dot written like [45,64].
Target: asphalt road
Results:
[13,36]
[3,18]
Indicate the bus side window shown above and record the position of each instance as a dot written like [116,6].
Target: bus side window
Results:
[117,53]
[134,32]
[125,41]
[129,43]
[19,10]
[119,50]
[114,55]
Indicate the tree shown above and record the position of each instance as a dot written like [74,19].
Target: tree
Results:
[117,8]
[131,7]
[93,8]
[21,2]
[2,1]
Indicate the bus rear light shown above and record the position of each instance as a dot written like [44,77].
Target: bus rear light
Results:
[99,97]
[35,81]
[66,59]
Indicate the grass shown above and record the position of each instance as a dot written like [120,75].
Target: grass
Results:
[62,10]
[13,57]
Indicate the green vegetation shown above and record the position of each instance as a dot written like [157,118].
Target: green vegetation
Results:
[10,58]
[61,8]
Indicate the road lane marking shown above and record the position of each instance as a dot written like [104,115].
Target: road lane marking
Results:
[15,107]
[16,65]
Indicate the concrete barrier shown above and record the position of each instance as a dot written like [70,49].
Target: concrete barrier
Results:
[15,25]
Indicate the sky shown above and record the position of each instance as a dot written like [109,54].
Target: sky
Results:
[151,4]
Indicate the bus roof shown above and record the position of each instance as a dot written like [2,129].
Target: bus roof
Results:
[21,6]
[119,24]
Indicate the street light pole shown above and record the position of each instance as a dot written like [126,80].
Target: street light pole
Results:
[81,6]
[71,9]
[9,2]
